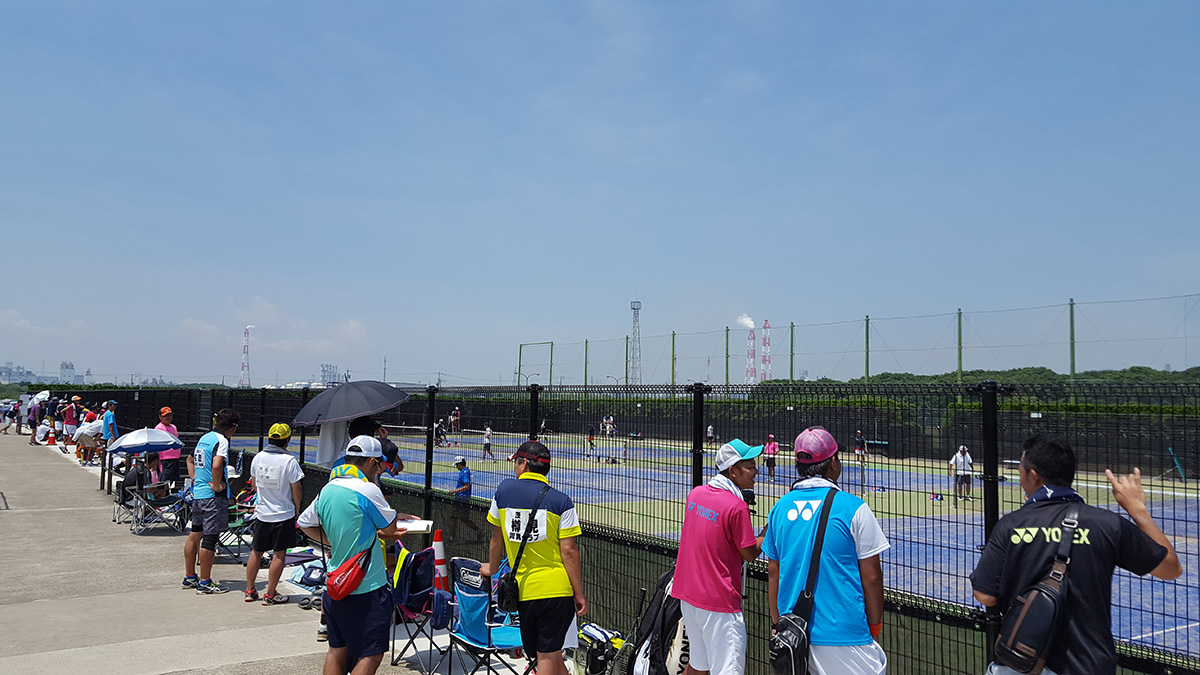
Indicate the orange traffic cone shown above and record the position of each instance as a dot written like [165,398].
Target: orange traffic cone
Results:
[51,440]
[442,575]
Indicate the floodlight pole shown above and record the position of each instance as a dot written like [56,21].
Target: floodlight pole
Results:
[585,364]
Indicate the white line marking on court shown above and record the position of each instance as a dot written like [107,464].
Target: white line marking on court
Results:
[1167,630]
[1149,490]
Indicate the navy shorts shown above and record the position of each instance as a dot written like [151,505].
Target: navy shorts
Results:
[360,623]
[544,624]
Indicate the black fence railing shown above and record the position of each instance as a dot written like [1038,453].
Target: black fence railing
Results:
[628,455]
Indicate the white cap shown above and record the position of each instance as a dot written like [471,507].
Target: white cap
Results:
[735,451]
[962,448]
[460,460]
[364,446]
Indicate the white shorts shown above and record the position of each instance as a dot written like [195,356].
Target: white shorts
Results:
[867,659]
[71,429]
[58,426]
[716,640]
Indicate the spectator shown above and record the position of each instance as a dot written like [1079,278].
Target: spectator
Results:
[170,458]
[275,476]
[350,514]
[769,451]
[86,436]
[208,466]
[1021,552]
[550,576]
[142,474]
[109,430]
[847,613]
[960,468]
[33,419]
[10,416]
[717,539]
[70,416]
[461,517]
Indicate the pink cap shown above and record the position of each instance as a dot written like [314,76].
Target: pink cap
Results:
[814,445]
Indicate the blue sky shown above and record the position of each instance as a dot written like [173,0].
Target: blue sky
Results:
[438,184]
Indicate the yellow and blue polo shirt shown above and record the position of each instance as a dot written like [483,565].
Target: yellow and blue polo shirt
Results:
[542,573]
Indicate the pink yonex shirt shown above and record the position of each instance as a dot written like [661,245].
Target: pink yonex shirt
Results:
[708,573]
[170,429]
[770,449]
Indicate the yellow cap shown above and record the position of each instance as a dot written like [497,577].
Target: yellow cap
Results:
[279,431]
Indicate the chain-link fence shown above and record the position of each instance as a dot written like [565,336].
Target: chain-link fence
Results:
[627,456]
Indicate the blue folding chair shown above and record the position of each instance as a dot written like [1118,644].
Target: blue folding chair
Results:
[474,633]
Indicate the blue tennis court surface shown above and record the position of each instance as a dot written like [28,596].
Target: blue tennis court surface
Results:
[931,555]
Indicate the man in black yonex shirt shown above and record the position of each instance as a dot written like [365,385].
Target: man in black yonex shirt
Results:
[1022,547]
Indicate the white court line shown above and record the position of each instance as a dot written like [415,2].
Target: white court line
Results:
[1149,490]
[1166,630]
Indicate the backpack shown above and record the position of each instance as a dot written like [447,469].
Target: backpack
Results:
[661,641]
[412,583]
[1029,626]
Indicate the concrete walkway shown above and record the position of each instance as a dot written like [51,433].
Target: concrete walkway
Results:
[81,594]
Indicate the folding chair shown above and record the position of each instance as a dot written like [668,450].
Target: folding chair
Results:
[150,511]
[124,504]
[412,594]
[241,524]
[473,634]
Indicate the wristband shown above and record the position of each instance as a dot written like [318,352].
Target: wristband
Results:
[875,628]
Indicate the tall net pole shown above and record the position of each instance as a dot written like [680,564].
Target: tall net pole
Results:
[635,346]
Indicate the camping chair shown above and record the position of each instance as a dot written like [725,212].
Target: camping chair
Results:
[473,634]
[412,594]
[124,503]
[149,511]
[241,525]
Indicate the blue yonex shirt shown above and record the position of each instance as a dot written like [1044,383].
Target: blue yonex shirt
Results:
[210,445]
[350,510]
[853,534]
[464,479]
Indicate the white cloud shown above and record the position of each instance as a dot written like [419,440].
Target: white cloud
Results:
[200,330]
[744,321]
[14,320]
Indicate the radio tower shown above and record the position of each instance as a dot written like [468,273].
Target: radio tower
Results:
[764,373]
[244,380]
[635,345]
[751,374]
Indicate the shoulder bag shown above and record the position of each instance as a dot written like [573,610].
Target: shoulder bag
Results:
[1027,632]
[789,643]
[508,593]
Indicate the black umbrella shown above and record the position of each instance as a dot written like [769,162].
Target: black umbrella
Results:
[347,401]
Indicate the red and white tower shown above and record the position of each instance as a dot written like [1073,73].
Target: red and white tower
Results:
[244,380]
[764,373]
[751,371]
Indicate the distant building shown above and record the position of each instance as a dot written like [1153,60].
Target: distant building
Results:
[66,372]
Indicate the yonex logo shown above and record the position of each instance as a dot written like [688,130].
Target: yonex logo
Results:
[804,510]
[1026,535]
[1023,534]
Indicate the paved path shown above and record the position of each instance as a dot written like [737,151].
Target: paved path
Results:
[81,594]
